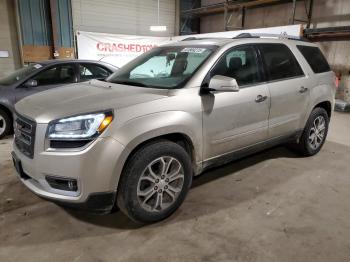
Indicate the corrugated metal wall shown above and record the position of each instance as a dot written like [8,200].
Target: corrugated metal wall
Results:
[62,28]
[131,17]
[63,22]
[36,30]
[35,22]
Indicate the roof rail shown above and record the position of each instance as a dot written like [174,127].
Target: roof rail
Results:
[190,38]
[277,36]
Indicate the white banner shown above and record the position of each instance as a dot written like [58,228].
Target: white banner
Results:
[120,49]
[115,49]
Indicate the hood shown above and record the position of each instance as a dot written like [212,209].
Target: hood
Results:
[4,88]
[84,98]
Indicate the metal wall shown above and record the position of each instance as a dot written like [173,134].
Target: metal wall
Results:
[131,17]
[46,29]
[35,22]
[62,19]
[62,28]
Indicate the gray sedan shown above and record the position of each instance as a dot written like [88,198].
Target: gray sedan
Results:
[43,76]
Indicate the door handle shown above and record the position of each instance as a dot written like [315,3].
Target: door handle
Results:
[303,89]
[260,98]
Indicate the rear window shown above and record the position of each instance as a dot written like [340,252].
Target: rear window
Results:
[315,58]
[280,62]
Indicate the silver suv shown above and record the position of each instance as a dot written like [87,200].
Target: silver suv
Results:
[136,140]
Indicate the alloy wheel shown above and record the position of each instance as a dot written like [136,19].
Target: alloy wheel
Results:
[160,184]
[317,132]
[2,125]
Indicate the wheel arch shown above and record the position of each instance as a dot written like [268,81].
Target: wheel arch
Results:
[179,138]
[7,111]
[326,105]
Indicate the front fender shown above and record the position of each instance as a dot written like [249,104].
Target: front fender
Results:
[141,129]
[4,102]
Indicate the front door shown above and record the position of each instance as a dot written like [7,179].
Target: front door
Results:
[235,120]
[49,78]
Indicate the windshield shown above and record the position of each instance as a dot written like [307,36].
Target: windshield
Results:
[19,74]
[163,67]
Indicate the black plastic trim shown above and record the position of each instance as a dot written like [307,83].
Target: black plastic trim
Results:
[99,203]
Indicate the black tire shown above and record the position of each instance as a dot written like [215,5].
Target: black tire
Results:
[304,147]
[5,120]
[127,194]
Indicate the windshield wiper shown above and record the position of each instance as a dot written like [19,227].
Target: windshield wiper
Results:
[132,83]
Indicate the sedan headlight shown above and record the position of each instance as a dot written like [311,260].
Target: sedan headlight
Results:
[82,127]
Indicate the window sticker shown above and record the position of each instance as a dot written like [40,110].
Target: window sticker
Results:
[195,50]
[37,66]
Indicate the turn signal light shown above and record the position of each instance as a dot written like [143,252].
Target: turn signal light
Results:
[105,123]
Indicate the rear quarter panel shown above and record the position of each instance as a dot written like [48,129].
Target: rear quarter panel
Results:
[324,90]
[323,84]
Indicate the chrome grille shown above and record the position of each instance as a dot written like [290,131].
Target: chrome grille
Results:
[25,135]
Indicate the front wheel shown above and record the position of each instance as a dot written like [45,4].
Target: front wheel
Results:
[5,124]
[155,182]
[315,133]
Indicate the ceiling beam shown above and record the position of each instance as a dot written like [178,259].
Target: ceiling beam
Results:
[230,5]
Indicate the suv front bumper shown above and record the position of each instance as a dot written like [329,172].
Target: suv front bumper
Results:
[94,168]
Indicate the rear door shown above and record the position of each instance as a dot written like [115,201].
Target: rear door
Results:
[288,86]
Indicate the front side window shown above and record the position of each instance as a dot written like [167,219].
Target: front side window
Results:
[62,74]
[91,71]
[163,67]
[315,58]
[280,62]
[239,63]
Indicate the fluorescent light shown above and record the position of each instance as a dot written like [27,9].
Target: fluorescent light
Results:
[157,28]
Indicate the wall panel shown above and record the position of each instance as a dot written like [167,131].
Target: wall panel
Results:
[131,17]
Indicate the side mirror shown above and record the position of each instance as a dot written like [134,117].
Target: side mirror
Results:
[31,83]
[223,84]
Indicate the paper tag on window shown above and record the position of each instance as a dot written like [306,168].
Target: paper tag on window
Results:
[193,50]
[37,66]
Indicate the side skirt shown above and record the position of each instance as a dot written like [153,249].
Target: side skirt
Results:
[246,151]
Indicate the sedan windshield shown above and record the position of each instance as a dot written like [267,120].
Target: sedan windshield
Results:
[19,75]
[163,67]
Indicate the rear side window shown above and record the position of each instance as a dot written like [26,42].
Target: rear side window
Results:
[92,71]
[315,58]
[280,61]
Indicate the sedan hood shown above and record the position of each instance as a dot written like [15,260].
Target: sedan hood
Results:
[5,88]
[84,98]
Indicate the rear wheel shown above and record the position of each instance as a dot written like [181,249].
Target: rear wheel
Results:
[155,182]
[5,124]
[315,133]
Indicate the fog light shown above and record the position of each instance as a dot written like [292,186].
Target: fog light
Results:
[62,183]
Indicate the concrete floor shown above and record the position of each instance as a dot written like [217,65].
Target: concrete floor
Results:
[273,206]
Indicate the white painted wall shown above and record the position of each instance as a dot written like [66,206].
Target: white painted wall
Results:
[8,38]
[132,17]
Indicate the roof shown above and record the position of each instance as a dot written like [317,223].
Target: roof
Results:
[60,61]
[63,61]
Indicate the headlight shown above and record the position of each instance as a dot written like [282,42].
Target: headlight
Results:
[82,127]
